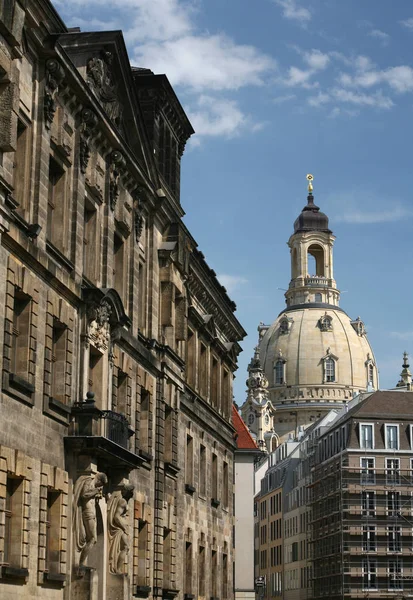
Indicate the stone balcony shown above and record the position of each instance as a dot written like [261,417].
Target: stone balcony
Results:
[101,433]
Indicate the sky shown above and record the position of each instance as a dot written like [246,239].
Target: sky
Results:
[276,89]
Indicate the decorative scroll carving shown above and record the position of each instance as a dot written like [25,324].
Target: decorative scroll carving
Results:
[87,492]
[118,528]
[89,122]
[117,161]
[138,223]
[54,77]
[99,71]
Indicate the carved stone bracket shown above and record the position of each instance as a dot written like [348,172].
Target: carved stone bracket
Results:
[116,161]
[88,126]
[54,77]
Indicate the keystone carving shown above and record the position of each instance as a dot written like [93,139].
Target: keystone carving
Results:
[54,77]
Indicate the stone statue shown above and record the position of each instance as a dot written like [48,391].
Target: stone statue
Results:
[118,526]
[87,492]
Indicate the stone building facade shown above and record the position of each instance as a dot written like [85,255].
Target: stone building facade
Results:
[117,343]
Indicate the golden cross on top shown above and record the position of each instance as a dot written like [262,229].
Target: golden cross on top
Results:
[310,183]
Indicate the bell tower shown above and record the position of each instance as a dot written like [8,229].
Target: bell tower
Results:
[311,247]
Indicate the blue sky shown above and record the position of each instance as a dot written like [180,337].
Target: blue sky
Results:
[276,89]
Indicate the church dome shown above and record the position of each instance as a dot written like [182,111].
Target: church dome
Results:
[316,353]
[311,218]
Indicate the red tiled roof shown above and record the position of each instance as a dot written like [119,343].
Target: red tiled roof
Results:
[244,439]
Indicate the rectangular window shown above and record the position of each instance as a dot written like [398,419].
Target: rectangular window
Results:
[56,217]
[144,421]
[366,436]
[395,575]
[142,552]
[214,573]
[224,579]
[21,334]
[392,437]
[368,503]
[214,477]
[368,475]
[394,539]
[203,374]
[369,569]
[188,568]
[201,571]
[214,380]
[119,274]
[225,485]
[226,397]
[53,541]
[142,298]
[22,166]
[58,362]
[189,461]
[13,517]
[369,538]
[393,471]
[190,358]
[393,504]
[202,470]
[91,250]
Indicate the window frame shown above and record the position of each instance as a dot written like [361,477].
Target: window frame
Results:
[327,361]
[361,425]
[390,481]
[387,426]
[368,482]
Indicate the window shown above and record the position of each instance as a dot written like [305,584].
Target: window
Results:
[203,370]
[279,372]
[329,370]
[251,419]
[201,571]
[202,471]
[188,568]
[225,484]
[370,370]
[119,275]
[13,515]
[190,358]
[56,218]
[393,504]
[368,475]
[214,381]
[53,542]
[393,471]
[369,570]
[394,539]
[392,437]
[369,538]
[395,575]
[20,334]
[189,461]
[224,580]
[91,241]
[318,297]
[368,503]
[22,166]
[214,477]
[214,559]
[58,362]
[142,298]
[366,436]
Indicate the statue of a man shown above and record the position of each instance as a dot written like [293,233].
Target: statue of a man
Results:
[118,528]
[87,492]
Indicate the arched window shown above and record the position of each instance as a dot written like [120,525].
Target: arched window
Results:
[279,372]
[315,261]
[370,370]
[251,419]
[329,370]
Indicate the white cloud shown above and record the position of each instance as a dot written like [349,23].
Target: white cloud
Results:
[376,100]
[231,282]
[212,62]
[359,217]
[283,99]
[217,116]
[316,59]
[319,100]
[402,335]
[382,36]
[294,12]
[299,78]
[407,23]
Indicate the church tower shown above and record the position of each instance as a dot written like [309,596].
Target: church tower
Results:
[314,356]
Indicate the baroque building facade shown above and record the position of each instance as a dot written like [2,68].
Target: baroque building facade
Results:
[118,345]
[313,356]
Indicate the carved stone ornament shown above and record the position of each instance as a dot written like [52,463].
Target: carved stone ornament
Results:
[359,327]
[99,328]
[325,323]
[138,223]
[118,528]
[54,77]
[117,161]
[89,123]
[100,77]
[86,494]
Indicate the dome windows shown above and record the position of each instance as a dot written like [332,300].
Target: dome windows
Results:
[329,362]
[370,371]
[359,327]
[285,325]
[279,370]
[325,323]
[251,419]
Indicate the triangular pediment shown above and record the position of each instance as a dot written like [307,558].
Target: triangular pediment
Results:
[102,61]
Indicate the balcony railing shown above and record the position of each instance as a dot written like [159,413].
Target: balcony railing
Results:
[315,280]
[90,421]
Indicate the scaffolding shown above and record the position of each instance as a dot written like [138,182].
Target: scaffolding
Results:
[362,528]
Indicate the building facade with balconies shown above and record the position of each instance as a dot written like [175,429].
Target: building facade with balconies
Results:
[117,343]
